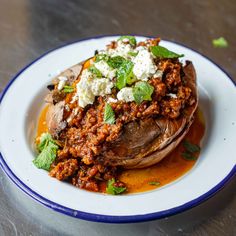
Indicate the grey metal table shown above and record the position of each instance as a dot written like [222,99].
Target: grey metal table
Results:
[30,28]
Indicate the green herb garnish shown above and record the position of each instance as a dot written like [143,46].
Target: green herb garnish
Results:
[142,91]
[220,43]
[162,52]
[101,57]
[109,115]
[95,71]
[156,183]
[188,156]
[115,62]
[191,147]
[68,89]
[133,54]
[48,152]
[111,189]
[124,74]
[132,39]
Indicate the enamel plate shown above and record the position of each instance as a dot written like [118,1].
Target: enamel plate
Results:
[22,101]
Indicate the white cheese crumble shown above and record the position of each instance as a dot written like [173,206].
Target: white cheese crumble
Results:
[112,100]
[122,50]
[89,87]
[101,87]
[144,66]
[62,82]
[125,94]
[105,69]
[158,74]
[172,95]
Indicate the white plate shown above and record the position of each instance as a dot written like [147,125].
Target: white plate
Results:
[22,100]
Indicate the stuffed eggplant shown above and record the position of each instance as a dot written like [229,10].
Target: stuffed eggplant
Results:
[127,107]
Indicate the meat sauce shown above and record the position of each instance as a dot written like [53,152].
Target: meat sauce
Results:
[168,170]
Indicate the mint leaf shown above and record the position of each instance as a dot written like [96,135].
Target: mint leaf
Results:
[188,156]
[101,57]
[132,39]
[142,91]
[191,147]
[220,43]
[109,115]
[124,74]
[111,189]
[156,183]
[133,54]
[44,140]
[48,152]
[95,71]
[115,62]
[161,52]
[68,89]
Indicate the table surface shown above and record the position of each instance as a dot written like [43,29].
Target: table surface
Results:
[30,28]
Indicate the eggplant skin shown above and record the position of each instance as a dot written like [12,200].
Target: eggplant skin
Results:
[146,142]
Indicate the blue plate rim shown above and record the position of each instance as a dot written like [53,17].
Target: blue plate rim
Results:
[109,218]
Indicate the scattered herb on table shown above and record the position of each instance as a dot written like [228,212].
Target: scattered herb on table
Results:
[220,43]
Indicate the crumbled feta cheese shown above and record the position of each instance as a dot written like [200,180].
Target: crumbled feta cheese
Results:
[89,87]
[101,87]
[172,95]
[125,94]
[144,66]
[158,74]
[105,69]
[112,100]
[62,82]
[122,50]
[84,92]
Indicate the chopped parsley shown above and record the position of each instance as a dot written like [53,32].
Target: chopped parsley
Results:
[109,115]
[111,189]
[47,152]
[220,42]
[142,91]
[161,52]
